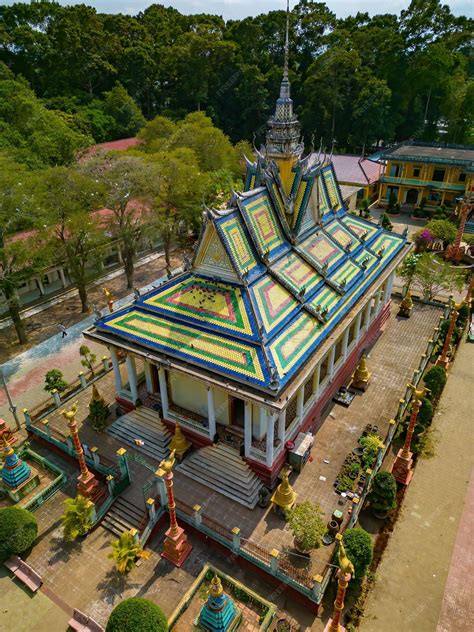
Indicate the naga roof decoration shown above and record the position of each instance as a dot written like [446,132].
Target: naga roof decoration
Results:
[255,305]
[272,276]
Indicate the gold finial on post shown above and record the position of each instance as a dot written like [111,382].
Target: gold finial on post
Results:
[109,298]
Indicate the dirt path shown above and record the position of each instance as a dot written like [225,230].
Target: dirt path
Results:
[411,579]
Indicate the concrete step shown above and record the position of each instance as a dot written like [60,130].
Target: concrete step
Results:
[122,516]
[154,434]
[154,452]
[141,432]
[220,468]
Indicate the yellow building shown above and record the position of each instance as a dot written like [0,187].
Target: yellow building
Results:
[438,172]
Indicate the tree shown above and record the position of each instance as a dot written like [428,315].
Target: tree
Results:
[77,517]
[435,380]
[88,358]
[359,548]
[123,181]
[432,275]
[18,531]
[128,117]
[442,229]
[135,614]
[125,551]
[386,223]
[98,413]
[383,494]
[155,133]
[407,270]
[66,198]
[54,381]
[306,522]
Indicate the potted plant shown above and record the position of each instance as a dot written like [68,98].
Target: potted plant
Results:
[371,444]
[383,494]
[306,522]
[125,551]
[77,517]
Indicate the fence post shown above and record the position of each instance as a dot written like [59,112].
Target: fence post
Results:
[401,409]
[110,484]
[27,417]
[392,424]
[274,555]
[236,538]
[93,511]
[368,478]
[380,455]
[150,507]
[46,427]
[105,363]
[160,484]
[95,456]
[354,513]
[197,515]
[135,535]
[123,463]
[317,587]
[56,397]
[82,379]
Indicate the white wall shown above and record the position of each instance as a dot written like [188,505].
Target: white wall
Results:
[189,394]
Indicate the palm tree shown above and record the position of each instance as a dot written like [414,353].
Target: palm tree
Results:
[77,518]
[125,551]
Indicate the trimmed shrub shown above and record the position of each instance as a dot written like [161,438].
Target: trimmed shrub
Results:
[18,531]
[359,548]
[306,522]
[383,495]
[435,379]
[425,414]
[54,380]
[98,413]
[137,614]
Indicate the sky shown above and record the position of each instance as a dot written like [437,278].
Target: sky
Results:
[237,9]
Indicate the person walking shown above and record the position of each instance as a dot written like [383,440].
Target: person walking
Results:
[62,328]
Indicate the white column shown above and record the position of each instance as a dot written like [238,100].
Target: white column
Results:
[263,422]
[300,402]
[270,438]
[132,376]
[163,391]
[357,326]
[332,353]
[40,285]
[377,305]
[116,368]
[316,376]
[62,277]
[281,426]
[388,288]
[211,413]
[148,380]
[367,315]
[248,427]
[345,342]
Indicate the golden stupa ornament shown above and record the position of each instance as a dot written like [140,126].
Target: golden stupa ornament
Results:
[346,566]
[96,396]
[361,377]
[216,586]
[284,495]
[179,444]
[406,306]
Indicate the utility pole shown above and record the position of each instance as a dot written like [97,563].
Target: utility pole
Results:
[12,407]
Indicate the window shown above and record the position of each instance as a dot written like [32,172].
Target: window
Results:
[395,171]
[438,175]
[462,177]
[416,172]
[434,196]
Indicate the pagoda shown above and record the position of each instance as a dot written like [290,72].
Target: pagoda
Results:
[219,613]
[253,337]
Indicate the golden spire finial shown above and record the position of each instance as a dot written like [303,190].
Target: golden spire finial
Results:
[70,414]
[216,586]
[418,393]
[284,496]
[167,464]
[346,566]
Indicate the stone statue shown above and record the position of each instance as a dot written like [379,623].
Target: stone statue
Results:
[167,464]
[70,415]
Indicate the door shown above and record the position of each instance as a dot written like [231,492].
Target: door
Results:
[237,412]
[412,196]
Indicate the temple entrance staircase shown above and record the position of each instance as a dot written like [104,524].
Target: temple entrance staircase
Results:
[123,516]
[222,469]
[145,425]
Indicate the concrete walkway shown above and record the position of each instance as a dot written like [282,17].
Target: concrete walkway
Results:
[411,579]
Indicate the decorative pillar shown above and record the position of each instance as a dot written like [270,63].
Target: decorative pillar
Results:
[40,286]
[358,322]
[197,515]
[247,428]
[116,369]
[163,391]
[161,488]
[443,359]
[62,277]
[282,427]
[300,402]
[150,507]
[377,302]
[453,251]
[316,377]
[274,555]
[388,288]
[123,463]
[82,379]
[148,379]
[211,413]
[176,548]
[86,483]
[270,438]
[344,574]
[402,467]
[345,343]
[332,353]
[236,538]
[367,315]
[132,377]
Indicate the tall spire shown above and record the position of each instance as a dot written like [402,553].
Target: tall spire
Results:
[283,136]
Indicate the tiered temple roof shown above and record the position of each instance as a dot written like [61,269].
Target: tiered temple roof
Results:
[272,275]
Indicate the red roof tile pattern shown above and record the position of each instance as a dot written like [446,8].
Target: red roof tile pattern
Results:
[356,170]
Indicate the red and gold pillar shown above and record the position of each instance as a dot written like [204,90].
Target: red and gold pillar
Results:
[402,466]
[443,359]
[344,574]
[452,252]
[87,483]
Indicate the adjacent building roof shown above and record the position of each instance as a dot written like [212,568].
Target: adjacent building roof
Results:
[356,170]
[430,152]
[114,145]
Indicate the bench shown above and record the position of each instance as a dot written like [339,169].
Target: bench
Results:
[82,623]
[24,573]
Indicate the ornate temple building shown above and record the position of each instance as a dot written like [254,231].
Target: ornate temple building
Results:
[249,342]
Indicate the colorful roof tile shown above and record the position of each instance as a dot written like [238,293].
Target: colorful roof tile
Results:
[360,226]
[237,243]
[274,304]
[296,273]
[263,224]
[322,250]
[343,236]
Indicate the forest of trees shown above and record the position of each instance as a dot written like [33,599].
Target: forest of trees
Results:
[76,76]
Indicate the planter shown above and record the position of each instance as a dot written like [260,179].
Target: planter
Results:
[381,515]
[300,549]
[333,527]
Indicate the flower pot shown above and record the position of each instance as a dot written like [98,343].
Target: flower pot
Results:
[381,515]
[300,549]
[333,527]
